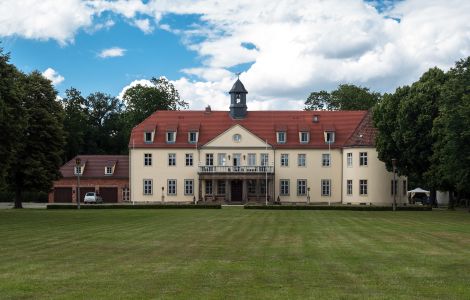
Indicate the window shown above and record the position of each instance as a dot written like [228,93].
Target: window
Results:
[147,186]
[170,136]
[209,159]
[221,160]
[147,159]
[304,137]
[281,137]
[192,137]
[148,137]
[172,159]
[220,187]
[264,159]
[284,160]
[404,188]
[262,187]
[393,187]
[325,159]
[349,159]
[363,158]
[78,170]
[171,188]
[188,186]
[251,187]
[349,187]
[284,186]
[189,159]
[237,138]
[209,187]
[251,159]
[301,158]
[363,187]
[329,137]
[301,187]
[325,187]
[125,194]
[108,171]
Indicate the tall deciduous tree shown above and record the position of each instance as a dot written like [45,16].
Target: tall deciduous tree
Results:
[38,158]
[76,123]
[346,97]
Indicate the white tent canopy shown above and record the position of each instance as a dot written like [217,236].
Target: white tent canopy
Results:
[412,193]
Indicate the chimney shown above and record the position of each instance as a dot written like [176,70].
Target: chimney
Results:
[208,109]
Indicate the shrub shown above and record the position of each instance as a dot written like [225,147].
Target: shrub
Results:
[338,207]
[135,206]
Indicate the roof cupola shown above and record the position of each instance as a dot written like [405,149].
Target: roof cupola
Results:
[238,106]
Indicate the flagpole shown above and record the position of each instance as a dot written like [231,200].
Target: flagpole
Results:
[266,172]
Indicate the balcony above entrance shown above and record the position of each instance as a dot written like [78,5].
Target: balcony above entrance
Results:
[236,169]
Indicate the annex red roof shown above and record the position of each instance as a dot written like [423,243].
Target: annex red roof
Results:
[365,133]
[95,166]
[261,123]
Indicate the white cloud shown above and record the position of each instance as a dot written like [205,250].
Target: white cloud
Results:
[144,25]
[53,76]
[112,52]
[143,82]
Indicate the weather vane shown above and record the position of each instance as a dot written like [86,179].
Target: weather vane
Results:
[238,74]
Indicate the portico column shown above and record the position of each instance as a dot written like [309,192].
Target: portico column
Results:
[199,192]
[245,191]
[228,191]
[214,188]
[258,187]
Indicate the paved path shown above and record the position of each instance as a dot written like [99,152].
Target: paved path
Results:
[8,205]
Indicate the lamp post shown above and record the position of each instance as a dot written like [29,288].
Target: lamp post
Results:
[308,195]
[78,171]
[394,184]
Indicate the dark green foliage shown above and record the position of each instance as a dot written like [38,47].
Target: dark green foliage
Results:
[9,196]
[339,207]
[346,97]
[136,206]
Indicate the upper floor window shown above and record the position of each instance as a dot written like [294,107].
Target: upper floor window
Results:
[349,159]
[281,137]
[148,136]
[189,159]
[172,159]
[192,137]
[264,159]
[304,137]
[325,160]
[301,160]
[171,136]
[221,159]
[251,159]
[329,137]
[363,158]
[147,159]
[284,160]
[209,159]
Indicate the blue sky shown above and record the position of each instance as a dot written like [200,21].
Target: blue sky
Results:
[283,49]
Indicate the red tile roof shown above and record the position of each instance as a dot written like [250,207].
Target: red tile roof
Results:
[261,123]
[365,133]
[95,166]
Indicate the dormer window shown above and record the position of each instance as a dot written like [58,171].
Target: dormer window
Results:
[304,137]
[108,171]
[148,137]
[329,137]
[193,137]
[281,137]
[78,170]
[170,137]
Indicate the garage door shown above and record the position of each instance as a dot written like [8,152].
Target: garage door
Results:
[63,195]
[84,190]
[109,194]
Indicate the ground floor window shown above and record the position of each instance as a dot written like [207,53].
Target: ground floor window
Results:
[284,187]
[404,188]
[349,187]
[262,187]
[221,187]
[363,187]
[325,187]
[125,194]
[301,187]
[147,186]
[209,187]
[171,188]
[393,187]
[188,187]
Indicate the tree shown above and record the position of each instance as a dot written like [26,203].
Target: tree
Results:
[142,101]
[76,123]
[11,120]
[345,97]
[38,158]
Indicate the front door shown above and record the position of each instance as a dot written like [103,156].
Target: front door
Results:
[237,190]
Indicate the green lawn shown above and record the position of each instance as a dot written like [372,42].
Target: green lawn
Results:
[234,253]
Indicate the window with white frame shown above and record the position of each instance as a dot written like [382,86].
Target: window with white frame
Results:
[78,170]
[147,159]
[281,137]
[264,159]
[329,137]
[301,160]
[108,171]
[349,187]
[148,187]
[170,137]
[284,187]
[209,187]
[349,159]
[192,137]
[209,159]
[171,187]
[220,187]
[188,187]
[363,158]
[325,160]
[251,159]
[284,160]
[325,187]
[393,187]
[172,159]
[301,187]
[363,187]
[304,137]
[221,159]
[189,159]
[125,194]
[148,137]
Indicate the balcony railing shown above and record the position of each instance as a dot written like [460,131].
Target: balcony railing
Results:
[236,169]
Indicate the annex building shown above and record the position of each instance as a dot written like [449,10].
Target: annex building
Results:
[240,156]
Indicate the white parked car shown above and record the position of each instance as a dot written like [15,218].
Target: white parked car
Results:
[93,197]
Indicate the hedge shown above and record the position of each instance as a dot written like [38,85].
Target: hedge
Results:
[136,206]
[339,207]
